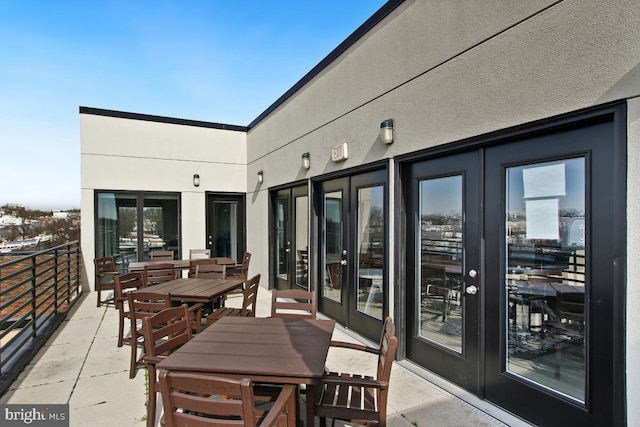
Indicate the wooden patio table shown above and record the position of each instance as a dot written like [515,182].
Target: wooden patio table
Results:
[194,290]
[267,350]
[179,264]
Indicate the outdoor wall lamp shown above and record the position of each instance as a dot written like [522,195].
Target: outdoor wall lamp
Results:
[306,161]
[260,177]
[386,131]
[196,180]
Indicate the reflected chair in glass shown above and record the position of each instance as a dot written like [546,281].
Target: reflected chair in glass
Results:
[294,303]
[105,270]
[354,397]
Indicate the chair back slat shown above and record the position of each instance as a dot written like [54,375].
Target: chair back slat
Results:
[159,273]
[250,296]
[199,253]
[161,255]
[194,263]
[211,271]
[206,400]
[294,303]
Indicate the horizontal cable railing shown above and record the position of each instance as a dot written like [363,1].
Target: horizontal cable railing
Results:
[36,292]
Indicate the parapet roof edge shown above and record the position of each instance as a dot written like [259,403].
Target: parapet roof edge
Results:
[386,9]
[380,14]
[160,119]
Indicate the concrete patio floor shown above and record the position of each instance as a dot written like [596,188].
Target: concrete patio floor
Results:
[81,365]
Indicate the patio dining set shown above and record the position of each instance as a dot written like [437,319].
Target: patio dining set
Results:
[214,364]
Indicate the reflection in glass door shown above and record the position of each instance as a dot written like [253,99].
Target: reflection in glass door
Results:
[544,274]
[352,251]
[291,256]
[551,336]
[443,273]
[226,225]
[370,244]
[441,255]
[334,251]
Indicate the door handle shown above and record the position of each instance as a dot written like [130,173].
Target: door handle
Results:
[471,290]
[343,262]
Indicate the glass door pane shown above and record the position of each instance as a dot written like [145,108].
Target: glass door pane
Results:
[545,275]
[282,252]
[161,222]
[440,309]
[370,244]
[225,239]
[332,251]
[302,241]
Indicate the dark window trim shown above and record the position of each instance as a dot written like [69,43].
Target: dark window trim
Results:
[139,195]
[159,119]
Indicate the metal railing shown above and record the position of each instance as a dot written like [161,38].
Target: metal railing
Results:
[36,292]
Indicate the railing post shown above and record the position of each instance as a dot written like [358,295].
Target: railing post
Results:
[34,280]
[55,281]
[68,274]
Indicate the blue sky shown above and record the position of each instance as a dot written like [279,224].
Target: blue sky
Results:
[213,60]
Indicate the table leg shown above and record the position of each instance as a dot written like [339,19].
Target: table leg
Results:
[310,410]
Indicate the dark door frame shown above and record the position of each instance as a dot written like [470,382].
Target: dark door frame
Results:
[616,112]
[242,213]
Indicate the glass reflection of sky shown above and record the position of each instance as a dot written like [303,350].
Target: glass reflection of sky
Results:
[441,196]
[575,186]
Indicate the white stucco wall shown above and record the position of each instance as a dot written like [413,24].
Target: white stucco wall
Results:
[140,155]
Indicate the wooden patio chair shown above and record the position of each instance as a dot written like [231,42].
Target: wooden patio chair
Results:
[105,270]
[163,333]
[161,255]
[296,303]
[125,283]
[159,273]
[207,400]
[199,253]
[352,397]
[194,263]
[249,298]
[211,271]
[240,270]
[141,305]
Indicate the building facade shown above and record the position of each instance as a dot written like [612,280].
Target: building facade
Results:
[493,222]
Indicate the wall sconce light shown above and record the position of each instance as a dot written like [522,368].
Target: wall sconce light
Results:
[196,180]
[306,161]
[260,177]
[386,131]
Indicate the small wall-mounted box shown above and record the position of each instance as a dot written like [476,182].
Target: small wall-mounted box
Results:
[340,152]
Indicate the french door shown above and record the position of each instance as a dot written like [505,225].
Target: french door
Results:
[352,274]
[226,225]
[444,272]
[511,277]
[291,257]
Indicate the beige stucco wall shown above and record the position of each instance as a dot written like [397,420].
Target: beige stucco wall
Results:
[446,71]
[139,155]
